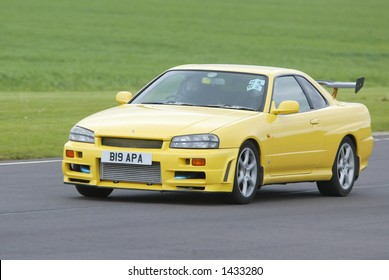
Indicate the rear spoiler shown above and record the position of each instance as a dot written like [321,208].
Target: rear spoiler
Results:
[357,85]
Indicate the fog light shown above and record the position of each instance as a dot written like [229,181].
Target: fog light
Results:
[85,169]
[70,153]
[198,161]
[80,168]
[182,175]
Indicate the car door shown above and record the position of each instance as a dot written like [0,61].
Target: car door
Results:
[296,139]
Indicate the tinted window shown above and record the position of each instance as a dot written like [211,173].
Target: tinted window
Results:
[314,95]
[287,88]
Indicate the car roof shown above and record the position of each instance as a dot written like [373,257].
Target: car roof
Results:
[264,70]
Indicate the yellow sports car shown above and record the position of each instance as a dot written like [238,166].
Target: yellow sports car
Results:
[222,128]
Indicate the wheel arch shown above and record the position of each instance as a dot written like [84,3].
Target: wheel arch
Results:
[354,141]
[258,147]
[255,143]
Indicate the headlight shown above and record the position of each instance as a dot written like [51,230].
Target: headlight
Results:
[80,134]
[195,141]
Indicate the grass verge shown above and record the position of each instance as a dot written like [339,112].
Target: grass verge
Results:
[37,124]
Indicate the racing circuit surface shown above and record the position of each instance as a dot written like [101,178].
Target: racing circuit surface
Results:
[41,218]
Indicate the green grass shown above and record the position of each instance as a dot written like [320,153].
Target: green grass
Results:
[37,124]
[79,45]
[62,60]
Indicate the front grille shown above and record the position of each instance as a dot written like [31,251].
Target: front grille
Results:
[148,174]
[131,143]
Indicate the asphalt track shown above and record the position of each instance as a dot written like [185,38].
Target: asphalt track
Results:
[41,218]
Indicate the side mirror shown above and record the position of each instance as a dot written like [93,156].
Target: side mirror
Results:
[122,97]
[286,107]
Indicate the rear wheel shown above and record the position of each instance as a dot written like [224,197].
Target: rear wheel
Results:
[343,171]
[247,174]
[93,191]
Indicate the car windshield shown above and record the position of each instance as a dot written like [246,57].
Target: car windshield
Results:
[206,89]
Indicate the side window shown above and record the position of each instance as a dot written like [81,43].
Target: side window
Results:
[314,95]
[287,88]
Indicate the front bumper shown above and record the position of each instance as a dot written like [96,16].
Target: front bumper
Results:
[83,166]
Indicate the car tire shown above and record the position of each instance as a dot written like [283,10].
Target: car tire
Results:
[93,191]
[247,174]
[343,171]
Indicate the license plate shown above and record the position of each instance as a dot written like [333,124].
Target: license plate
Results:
[126,158]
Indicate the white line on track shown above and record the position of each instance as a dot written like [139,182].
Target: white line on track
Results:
[381,139]
[371,186]
[30,162]
[356,187]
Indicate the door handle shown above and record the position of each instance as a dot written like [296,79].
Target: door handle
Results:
[315,121]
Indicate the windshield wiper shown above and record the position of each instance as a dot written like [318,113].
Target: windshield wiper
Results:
[225,106]
[235,107]
[153,103]
[168,103]
[183,104]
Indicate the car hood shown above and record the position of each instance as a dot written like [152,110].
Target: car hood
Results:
[160,121]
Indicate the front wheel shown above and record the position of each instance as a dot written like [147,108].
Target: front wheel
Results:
[343,171]
[247,174]
[93,191]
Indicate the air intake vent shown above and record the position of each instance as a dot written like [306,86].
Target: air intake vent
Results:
[132,143]
[148,174]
